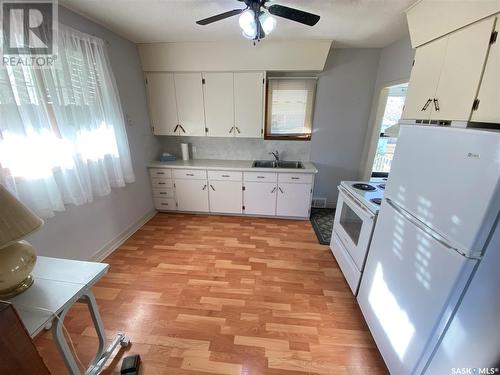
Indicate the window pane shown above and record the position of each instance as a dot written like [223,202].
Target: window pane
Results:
[289,106]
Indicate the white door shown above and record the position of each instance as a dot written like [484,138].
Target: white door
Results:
[192,195]
[248,104]
[408,282]
[461,73]
[219,104]
[293,200]
[162,104]
[189,95]
[488,109]
[226,197]
[424,79]
[449,179]
[259,198]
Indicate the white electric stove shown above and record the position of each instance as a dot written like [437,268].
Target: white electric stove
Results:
[355,216]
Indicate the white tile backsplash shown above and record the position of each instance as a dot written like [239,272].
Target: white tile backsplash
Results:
[236,148]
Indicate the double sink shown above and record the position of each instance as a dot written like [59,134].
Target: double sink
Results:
[277,164]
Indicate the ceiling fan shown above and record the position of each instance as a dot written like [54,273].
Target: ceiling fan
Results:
[256,23]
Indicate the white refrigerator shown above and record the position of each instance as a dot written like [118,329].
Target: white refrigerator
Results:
[441,204]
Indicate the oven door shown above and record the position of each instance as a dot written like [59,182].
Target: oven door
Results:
[353,224]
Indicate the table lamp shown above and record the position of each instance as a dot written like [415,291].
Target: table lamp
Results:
[17,257]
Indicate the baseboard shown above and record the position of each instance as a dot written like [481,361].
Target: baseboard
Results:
[114,244]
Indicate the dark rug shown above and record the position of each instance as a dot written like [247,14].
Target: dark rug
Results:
[322,222]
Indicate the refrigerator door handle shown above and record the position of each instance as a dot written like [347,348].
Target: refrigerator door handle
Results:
[425,228]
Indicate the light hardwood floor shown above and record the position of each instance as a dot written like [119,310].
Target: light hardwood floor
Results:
[204,294]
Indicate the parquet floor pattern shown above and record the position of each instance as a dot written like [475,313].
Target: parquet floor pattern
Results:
[202,295]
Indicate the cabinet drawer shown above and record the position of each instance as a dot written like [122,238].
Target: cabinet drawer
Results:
[161,183]
[163,193]
[261,177]
[300,178]
[160,173]
[193,174]
[224,176]
[164,204]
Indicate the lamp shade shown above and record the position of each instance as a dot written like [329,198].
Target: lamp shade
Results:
[16,220]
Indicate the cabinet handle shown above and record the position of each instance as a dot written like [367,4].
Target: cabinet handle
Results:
[295,178]
[261,176]
[211,187]
[182,129]
[161,183]
[424,108]
[281,190]
[225,175]
[274,189]
[237,129]
[204,187]
[230,130]
[176,126]
[436,104]
[160,172]
[163,193]
[189,174]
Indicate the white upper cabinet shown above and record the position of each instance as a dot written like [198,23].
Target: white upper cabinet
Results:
[219,104]
[488,98]
[248,104]
[446,74]
[189,98]
[424,77]
[162,103]
[461,72]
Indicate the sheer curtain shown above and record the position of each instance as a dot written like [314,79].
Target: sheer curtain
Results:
[62,132]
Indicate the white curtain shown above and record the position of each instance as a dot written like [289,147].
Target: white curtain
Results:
[62,131]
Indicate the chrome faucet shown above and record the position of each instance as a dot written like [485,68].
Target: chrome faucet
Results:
[276,155]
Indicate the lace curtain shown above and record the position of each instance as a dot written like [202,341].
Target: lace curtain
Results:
[62,131]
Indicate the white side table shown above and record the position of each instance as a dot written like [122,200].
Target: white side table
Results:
[59,283]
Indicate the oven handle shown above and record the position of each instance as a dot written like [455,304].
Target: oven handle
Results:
[353,200]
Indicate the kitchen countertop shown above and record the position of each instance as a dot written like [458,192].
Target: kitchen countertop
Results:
[240,165]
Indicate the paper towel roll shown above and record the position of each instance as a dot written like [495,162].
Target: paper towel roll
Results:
[185,151]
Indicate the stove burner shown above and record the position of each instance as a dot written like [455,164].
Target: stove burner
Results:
[382,186]
[377,201]
[364,187]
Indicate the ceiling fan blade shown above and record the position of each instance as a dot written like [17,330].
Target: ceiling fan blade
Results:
[219,17]
[294,14]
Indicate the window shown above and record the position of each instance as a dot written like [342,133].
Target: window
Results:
[289,108]
[62,131]
[394,98]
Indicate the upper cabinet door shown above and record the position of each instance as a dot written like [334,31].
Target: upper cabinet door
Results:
[461,72]
[219,104]
[248,104]
[162,104]
[189,95]
[488,107]
[424,79]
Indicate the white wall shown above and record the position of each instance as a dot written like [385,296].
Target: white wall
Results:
[343,102]
[80,232]
[394,67]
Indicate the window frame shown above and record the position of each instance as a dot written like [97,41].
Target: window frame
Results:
[267,125]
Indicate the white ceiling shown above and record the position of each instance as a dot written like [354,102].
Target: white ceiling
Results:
[350,23]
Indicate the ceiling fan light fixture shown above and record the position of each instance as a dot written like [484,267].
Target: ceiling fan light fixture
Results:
[268,23]
[247,24]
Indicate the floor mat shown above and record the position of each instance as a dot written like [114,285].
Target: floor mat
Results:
[322,222]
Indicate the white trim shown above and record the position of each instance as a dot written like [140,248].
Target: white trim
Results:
[114,244]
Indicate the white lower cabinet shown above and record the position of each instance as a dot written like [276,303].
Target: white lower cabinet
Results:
[260,198]
[192,195]
[225,197]
[232,192]
[293,200]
